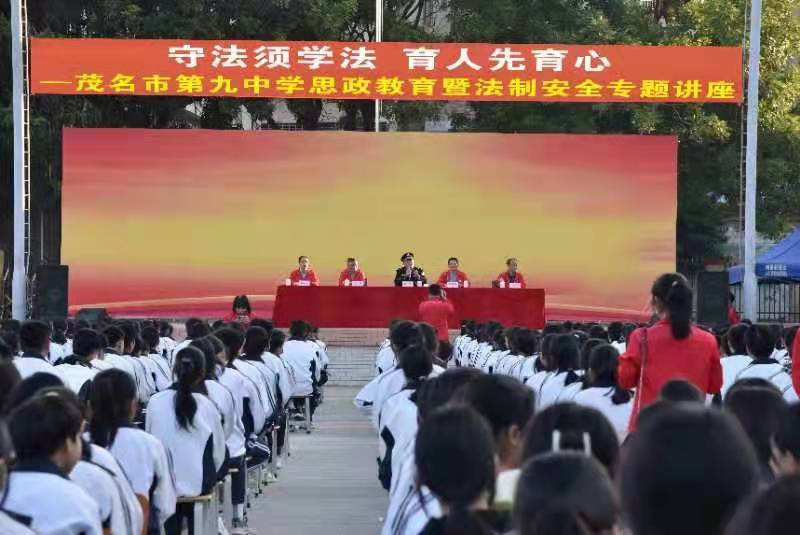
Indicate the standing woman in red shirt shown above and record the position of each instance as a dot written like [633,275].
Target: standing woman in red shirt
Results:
[673,348]
[436,310]
[304,273]
[510,275]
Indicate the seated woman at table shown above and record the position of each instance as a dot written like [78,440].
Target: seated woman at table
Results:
[409,272]
[304,273]
[510,276]
[453,274]
[352,273]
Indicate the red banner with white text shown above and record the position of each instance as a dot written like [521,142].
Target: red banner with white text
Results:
[391,71]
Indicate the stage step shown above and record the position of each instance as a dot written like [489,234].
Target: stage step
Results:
[351,365]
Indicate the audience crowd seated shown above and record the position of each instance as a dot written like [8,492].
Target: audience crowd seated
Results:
[586,429]
[122,428]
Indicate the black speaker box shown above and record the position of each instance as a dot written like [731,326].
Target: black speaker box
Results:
[52,295]
[713,297]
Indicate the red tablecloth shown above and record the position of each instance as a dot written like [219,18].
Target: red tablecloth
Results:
[332,306]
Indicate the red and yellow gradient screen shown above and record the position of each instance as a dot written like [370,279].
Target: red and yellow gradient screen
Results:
[176,222]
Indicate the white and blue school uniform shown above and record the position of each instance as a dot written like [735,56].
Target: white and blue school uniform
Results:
[68,509]
[132,508]
[145,463]
[389,384]
[366,396]
[144,372]
[29,363]
[481,355]
[198,452]
[223,399]
[732,366]
[76,374]
[66,349]
[322,354]
[409,510]
[505,363]
[162,371]
[101,365]
[772,371]
[166,346]
[176,348]
[55,353]
[247,393]
[9,526]
[119,361]
[299,355]
[257,372]
[398,427]
[620,346]
[536,381]
[469,353]
[284,378]
[385,360]
[525,369]
[550,389]
[491,362]
[569,392]
[599,397]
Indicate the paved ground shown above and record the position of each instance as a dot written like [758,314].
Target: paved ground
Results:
[330,484]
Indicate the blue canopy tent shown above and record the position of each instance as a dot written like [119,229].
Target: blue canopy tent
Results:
[781,262]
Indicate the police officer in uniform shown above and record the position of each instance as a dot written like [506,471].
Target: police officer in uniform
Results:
[409,272]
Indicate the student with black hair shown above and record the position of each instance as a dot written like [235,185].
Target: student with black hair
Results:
[113,353]
[686,470]
[527,341]
[34,338]
[545,364]
[566,358]
[76,370]
[144,370]
[616,336]
[241,311]
[760,341]
[508,407]
[9,379]
[57,340]
[273,359]
[568,426]
[385,359]
[411,506]
[159,364]
[672,348]
[602,391]
[113,405]
[252,366]
[737,358]
[455,459]
[759,411]
[46,434]
[510,357]
[195,328]
[6,353]
[8,525]
[565,493]
[786,443]
[681,391]
[487,344]
[301,354]
[397,423]
[167,344]
[189,426]
[219,395]
[773,511]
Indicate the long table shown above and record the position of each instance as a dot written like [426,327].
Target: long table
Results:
[375,307]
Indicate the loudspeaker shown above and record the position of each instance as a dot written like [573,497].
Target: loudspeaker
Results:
[51,295]
[92,315]
[713,297]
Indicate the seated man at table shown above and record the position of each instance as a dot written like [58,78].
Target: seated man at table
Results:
[435,311]
[510,276]
[352,273]
[409,272]
[453,274]
[304,273]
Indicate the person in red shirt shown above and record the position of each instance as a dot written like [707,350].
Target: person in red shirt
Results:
[453,274]
[733,317]
[304,272]
[794,353]
[436,310]
[673,348]
[241,311]
[511,275]
[351,273]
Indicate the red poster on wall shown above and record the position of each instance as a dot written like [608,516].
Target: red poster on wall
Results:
[391,71]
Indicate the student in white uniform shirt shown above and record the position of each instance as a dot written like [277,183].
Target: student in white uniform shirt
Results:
[761,340]
[385,359]
[195,328]
[530,362]
[398,419]
[301,354]
[616,336]
[410,507]
[46,434]
[113,354]
[160,365]
[736,359]
[143,368]
[76,370]
[166,342]
[250,364]
[544,364]
[8,525]
[190,427]
[274,361]
[566,360]
[34,339]
[603,393]
[141,456]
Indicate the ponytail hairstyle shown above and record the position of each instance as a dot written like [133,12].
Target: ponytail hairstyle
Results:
[255,343]
[232,339]
[569,426]
[189,372]
[112,397]
[672,292]
[454,452]
[566,355]
[417,364]
[586,351]
[603,372]
[209,357]
[151,340]
[565,493]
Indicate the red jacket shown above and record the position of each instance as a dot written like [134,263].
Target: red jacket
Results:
[695,359]
[357,276]
[733,316]
[310,277]
[504,277]
[444,278]
[436,312]
[231,317]
[796,365]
